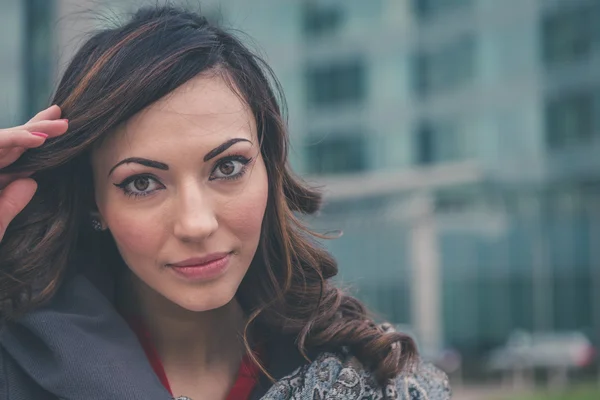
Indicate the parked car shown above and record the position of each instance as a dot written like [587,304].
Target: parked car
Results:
[557,353]
[544,350]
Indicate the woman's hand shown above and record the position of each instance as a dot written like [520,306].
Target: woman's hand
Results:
[16,190]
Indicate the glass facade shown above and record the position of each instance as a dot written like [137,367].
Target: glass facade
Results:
[516,247]
[334,153]
[11,71]
[571,33]
[26,65]
[333,84]
[38,52]
[425,9]
[449,66]
[573,119]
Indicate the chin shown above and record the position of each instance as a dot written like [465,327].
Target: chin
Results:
[173,295]
[201,299]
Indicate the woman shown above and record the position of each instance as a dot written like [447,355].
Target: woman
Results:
[160,256]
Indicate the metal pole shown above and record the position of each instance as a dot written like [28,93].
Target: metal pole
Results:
[541,270]
[426,273]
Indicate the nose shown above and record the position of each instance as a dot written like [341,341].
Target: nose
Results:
[195,217]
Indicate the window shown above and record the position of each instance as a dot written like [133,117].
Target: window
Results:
[445,68]
[424,142]
[428,8]
[454,201]
[571,34]
[336,153]
[37,55]
[338,83]
[11,68]
[319,20]
[440,142]
[572,120]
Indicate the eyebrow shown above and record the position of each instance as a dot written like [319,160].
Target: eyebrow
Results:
[222,147]
[142,161]
[159,165]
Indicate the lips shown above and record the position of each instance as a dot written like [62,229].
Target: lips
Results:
[199,261]
[199,269]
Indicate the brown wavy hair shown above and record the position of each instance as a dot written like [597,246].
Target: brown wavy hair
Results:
[120,71]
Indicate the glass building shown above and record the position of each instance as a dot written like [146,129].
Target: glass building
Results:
[26,66]
[459,140]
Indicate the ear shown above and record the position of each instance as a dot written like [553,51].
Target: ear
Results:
[95,216]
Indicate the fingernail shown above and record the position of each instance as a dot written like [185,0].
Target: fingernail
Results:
[40,134]
[66,120]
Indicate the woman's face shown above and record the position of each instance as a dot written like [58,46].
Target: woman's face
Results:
[183,188]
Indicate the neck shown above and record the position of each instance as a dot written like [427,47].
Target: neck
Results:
[197,341]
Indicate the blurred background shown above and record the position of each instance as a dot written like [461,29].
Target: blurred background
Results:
[458,144]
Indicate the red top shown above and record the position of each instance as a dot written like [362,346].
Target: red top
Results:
[247,377]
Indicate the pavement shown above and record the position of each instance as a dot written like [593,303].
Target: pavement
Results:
[480,393]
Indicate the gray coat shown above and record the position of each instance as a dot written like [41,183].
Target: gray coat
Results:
[79,348]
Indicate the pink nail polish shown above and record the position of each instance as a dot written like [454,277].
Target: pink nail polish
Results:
[40,134]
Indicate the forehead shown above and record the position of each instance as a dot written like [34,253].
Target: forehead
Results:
[207,94]
[203,112]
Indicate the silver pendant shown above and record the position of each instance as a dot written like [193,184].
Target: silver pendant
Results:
[182,398]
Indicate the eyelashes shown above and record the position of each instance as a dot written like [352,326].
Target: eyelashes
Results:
[231,167]
[130,187]
[227,168]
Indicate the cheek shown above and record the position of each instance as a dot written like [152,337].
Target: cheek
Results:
[136,233]
[246,211]
[246,219]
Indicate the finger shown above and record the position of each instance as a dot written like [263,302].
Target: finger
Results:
[10,155]
[50,113]
[51,128]
[21,138]
[6,179]
[13,200]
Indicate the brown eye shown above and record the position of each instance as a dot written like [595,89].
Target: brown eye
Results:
[230,168]
[141,183]
[227,168]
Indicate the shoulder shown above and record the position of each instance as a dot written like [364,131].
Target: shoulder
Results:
[425,382]
[340,376]
[16,384]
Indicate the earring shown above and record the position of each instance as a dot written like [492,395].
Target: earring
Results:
[96,224]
